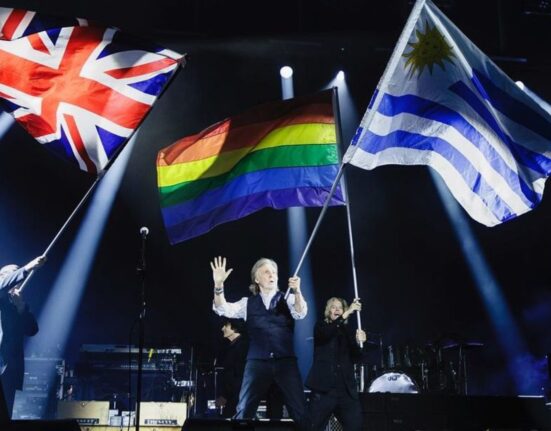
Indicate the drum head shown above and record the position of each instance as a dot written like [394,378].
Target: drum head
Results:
[396,383]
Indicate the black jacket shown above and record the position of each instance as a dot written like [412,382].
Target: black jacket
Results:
[335,350]
[14,326]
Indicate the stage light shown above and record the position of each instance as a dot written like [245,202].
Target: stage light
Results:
[348,114]
[286,72]
[287,90]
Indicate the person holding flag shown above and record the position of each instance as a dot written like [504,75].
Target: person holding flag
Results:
[331,377]
[269,318]
[16,322]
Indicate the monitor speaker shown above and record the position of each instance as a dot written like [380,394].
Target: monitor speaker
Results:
[196,424]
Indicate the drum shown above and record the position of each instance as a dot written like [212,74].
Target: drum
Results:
[397,383]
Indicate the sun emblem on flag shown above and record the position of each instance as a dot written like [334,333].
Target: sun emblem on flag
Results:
[431,48]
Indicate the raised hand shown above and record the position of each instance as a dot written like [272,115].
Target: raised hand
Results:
[219,273]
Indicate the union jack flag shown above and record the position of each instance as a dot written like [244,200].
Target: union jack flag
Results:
[80,90]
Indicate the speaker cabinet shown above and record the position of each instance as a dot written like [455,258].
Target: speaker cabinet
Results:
[239,425]
[84,412]
[159,414]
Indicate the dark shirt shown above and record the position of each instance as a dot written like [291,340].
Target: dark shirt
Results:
[234,364]
[335,350]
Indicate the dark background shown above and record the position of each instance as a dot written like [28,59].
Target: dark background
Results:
[413,279]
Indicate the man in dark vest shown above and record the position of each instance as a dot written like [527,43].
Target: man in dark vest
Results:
[16,322]
[270,321]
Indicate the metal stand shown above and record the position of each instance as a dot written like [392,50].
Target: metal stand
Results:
[462,370]
[141,271]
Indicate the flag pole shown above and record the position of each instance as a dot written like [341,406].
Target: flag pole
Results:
[100,175]
[344,187]
[368,117]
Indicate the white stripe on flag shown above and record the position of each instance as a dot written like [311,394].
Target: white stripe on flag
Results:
[383,125]
[455,182]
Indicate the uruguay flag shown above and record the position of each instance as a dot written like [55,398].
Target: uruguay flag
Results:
[441,102]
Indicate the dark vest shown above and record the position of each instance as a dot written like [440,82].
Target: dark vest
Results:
[270,331]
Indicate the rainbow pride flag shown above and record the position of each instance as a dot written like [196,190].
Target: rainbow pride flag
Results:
[278,155]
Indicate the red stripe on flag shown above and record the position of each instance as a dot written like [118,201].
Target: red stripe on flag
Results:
[37,43]
[79,144]
[129,72]
[13,21]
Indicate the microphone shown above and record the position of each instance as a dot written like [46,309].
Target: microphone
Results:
[144,231]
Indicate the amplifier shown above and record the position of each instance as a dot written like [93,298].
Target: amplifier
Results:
[165,414]
[84,412]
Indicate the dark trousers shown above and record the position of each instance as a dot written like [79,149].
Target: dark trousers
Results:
[346,409]
[4,414]
[229,409]
[259,375]
[10,382]
[274,403]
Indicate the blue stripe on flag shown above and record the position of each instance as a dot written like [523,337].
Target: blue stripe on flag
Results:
[372,101]
[110,141]
[535,161]
[357,135]
[252,182]
[510,107]
[394,105]
[473,179]
[153,85]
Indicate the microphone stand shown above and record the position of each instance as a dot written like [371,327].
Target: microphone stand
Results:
[141,271]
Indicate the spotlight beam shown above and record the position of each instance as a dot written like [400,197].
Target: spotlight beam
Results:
[298,236]
[6,121]
[58,314]
[503,322]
